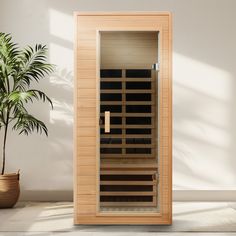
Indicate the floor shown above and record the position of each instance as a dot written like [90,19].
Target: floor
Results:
[189,218]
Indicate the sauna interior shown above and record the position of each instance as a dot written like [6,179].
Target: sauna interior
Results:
[128,121]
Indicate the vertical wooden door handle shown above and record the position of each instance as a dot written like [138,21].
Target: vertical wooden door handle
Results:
[107,121]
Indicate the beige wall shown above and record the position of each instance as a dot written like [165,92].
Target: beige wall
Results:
[204,94]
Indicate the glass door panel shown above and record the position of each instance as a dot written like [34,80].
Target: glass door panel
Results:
[128,122]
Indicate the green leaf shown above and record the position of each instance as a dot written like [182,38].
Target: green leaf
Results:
[27,123]
[18,69]
[33,65]
[39,95]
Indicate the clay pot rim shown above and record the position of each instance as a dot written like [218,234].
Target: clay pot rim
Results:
[9,176]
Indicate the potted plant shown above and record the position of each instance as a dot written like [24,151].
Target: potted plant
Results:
[19,68]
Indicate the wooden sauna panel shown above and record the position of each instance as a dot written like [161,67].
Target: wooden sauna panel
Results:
[86,152]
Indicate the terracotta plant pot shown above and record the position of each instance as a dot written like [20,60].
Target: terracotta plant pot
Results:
[9,190]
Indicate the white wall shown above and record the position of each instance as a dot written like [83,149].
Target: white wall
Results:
[204,93]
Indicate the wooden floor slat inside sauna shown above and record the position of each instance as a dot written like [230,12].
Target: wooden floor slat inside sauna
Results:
[128,209]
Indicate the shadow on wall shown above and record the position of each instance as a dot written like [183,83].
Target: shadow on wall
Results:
[50,165]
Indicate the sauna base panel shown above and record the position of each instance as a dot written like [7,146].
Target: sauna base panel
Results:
[123,220]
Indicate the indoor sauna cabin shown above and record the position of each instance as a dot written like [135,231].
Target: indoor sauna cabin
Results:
[123,118]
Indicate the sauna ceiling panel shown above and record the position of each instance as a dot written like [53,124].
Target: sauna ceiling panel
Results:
[128,50]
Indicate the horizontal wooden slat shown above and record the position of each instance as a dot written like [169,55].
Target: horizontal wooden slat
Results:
[85,103]
[86,93]
[126,79]
[86,151]
[86,209]
[128,193]
[86,74]
[110,145]
[86,34]
[130,126]
[111,103]
[128,66]
[138,204]
[86,84]
[85,44]
[87,112]
[127,91]
[87,161]
[127,182]
[129,172]
[86,64]
[127,103]
[87,171]
[122,20]
[86,189]
[86,121]
[86,180]
[131,165]
[87,141]
[126,136]
[86,132]
[124,155]
[86,54]
[113,114]
[86,199]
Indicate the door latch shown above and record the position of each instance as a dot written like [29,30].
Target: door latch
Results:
[107,121]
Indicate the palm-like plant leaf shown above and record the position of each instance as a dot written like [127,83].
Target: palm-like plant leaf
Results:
[8,60]
[18,69]
[27,123]
[33,66]
[26,96]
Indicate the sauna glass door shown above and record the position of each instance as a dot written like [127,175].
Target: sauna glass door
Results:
[128,122]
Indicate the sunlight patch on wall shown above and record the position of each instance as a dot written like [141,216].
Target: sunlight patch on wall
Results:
[62,112]
[204,132]
[202,106]
[204,91]
[62,78]
[61,25]
[62,81]
[202,77]
[61,56]
[200,167]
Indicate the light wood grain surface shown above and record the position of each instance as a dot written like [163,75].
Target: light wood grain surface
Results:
[86,144]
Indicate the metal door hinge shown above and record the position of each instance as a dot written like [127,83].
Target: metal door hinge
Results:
[156,66]
[155,176]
